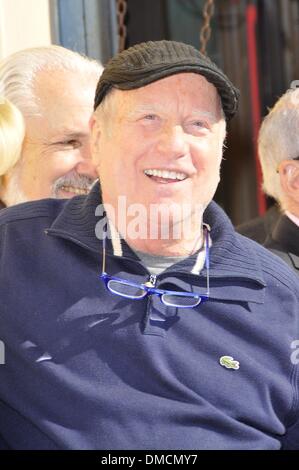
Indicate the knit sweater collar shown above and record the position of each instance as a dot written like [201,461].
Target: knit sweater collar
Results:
[81,220]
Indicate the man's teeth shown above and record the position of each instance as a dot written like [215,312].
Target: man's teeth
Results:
[71,189]
[166,174]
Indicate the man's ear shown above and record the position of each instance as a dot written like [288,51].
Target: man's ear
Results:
[95,136]
[289,178]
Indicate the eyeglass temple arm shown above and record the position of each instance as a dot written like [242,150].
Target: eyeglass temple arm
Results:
[104,251]
[207,230]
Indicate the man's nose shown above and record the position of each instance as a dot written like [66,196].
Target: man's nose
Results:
[173,142]
[85,165]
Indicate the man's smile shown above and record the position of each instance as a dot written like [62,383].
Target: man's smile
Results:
[165,176]
[74,191]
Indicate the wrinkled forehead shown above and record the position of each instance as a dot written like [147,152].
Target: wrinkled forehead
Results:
[64,90]
[189,90]
[64,104]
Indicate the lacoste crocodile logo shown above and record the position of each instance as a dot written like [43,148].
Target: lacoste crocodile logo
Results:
[229,362]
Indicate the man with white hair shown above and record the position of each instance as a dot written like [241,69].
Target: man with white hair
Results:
[136,317]
[53,87]
[279,156]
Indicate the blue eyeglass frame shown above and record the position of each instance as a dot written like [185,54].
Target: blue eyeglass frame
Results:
[150,289]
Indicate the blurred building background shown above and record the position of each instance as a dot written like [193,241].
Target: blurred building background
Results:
[253,41]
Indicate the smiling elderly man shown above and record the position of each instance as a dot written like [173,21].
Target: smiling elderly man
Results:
[120,337]
[54,88]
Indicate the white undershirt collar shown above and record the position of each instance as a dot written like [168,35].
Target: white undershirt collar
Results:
[292,217]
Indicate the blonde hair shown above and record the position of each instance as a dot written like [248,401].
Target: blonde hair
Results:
[11,135]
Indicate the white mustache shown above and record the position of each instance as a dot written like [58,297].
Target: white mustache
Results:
[75,181]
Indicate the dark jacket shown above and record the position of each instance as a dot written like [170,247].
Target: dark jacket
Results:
[284,241]
[86,369]
[259,228]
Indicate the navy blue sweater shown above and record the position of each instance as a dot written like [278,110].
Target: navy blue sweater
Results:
[85,369]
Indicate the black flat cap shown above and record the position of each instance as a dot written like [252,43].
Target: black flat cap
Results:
[150,61]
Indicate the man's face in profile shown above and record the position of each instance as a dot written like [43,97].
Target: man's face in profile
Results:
[55,160]
[161,143]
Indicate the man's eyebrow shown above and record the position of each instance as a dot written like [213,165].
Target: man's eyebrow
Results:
[68,134]
[201,113]
[158,108]
[145,108]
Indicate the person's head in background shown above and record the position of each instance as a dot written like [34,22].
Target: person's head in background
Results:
[279,152]
[54,89]
[11,137]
